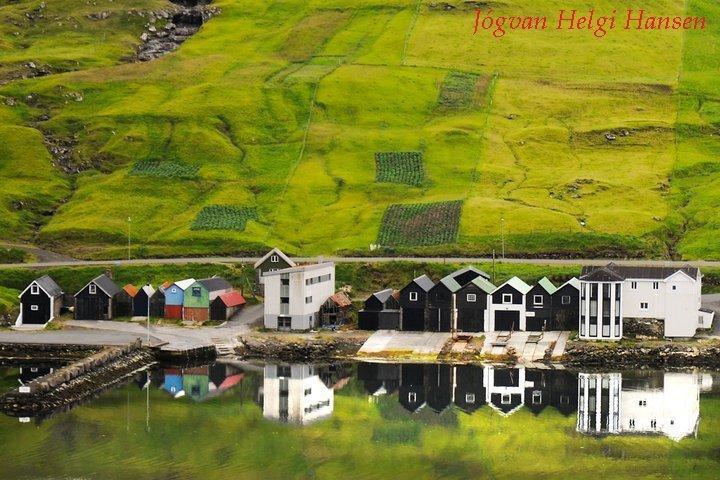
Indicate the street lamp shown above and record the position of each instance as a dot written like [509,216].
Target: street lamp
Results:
[502,236]
[128,238]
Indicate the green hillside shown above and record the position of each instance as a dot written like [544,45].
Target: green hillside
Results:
[304,124]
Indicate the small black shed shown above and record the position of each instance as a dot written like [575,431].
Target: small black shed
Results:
[538,306]
[566,306]
[40,302]
[381,311]
[98,299]
[414,304]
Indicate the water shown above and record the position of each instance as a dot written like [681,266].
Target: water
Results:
[374,421]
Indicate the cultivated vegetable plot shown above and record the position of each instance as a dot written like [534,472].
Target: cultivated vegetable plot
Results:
[399,167]
[164,169]
[224,217]
[458,90]
[420,224]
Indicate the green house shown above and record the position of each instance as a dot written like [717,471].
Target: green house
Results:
[197,297]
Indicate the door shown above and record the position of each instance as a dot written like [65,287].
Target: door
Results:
[470,320]
[440,320]
[507,320]
[413,319]
[36,310]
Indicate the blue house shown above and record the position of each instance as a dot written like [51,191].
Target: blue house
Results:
[174,296]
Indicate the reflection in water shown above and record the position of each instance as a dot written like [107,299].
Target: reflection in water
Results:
[658,403]
[201,383]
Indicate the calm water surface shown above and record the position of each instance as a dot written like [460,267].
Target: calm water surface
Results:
[374,421]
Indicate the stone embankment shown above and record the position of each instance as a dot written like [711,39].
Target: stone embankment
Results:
[277,348]
[39,353]
[663,356]
[76,382]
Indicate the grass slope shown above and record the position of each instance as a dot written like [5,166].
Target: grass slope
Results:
[280,107]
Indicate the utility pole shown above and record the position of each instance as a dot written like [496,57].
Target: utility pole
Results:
[493,276]
[128,238]
[502,236]
[148,314]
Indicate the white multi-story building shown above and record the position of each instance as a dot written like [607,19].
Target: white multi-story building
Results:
[293,296]
[611,294]
[609,404]
[295,394]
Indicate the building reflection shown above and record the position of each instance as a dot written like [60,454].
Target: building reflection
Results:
[300,393]
[659,403]
[200,382]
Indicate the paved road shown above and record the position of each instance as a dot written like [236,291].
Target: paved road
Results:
[535,261]
[39,253]
[87,337]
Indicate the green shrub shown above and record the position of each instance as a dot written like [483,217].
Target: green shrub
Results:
[224,217]
[399,167]
[12,255]
[420,224]
[458,90]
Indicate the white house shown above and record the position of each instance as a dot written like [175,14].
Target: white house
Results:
[506,307]
[611,294]
[296,394]
[293,296]
[610,404]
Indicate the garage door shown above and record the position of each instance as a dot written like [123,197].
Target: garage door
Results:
[506,321]
[413,319]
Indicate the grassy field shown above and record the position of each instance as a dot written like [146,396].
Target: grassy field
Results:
[279,109]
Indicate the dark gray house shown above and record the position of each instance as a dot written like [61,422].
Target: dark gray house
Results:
[272,261]
[414,304]
[442,296]
[469,387]
[566,306]
[538,306]
[411,392]
[380,311]
[98,299]
[40,302]
[471,304]
[554,388]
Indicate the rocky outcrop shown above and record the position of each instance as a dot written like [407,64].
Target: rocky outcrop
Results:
[299,350]
[643,327]
[664,356]
[167,30]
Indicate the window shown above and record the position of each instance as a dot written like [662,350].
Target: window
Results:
[92,289]
[273,270]
[507,298]
[173,290]
[284,322]
[537,397]
[196,292]
[34,308]
[674,287]
[632,423]
[284,300]
[284,370]
[471,297]
[644,306]
[505,399]
[633,285]
[413,296]
[656,285]
[653,423]
[642,403]
[412,397]
[308,299]
[565,299]
[274,259]
[537,299]
[284,281]
[469,398]
[564,399]
[308,391]
[34,289]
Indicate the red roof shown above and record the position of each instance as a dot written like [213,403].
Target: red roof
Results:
[341,299]
[131,289]
[232,299]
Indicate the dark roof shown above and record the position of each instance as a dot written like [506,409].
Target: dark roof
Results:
[106,285]
[424,282]
[383,295]
[612,272]
[49,285]
[215,284]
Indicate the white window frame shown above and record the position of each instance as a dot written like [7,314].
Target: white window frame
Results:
[505,399]
[537,397]
[413,296]
[274,258]
[469,398]
[412,397]
[34,308]
[565,300]
[506,295]
[535,300]
[644,306]
[471,298]
[92,289]
[173,290]
[34,289]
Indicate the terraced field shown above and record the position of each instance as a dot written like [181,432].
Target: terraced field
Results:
[582,146]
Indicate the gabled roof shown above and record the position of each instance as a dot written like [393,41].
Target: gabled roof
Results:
[47,285]
[484,285]
[618,272]
[184,284]
[300,268]
[383,295]
[340,299]
[105,284]
[165,285]
[517,284]
[130,289]
[424,282]
[148,289]
[450,281]
[215,284]
[573,282]
[275,251]
[547,285]
[232,299]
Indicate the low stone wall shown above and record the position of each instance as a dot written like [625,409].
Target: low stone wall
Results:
[77,381]
[643,327]
[664,356]
[299,350]
[45,352]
